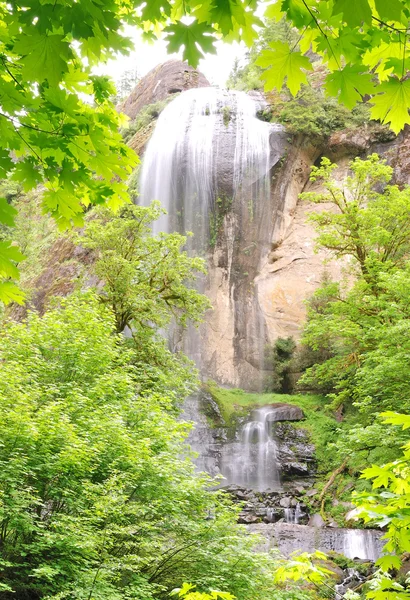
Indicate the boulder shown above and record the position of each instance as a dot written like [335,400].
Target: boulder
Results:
[285,412]
[316,521]
[163,81]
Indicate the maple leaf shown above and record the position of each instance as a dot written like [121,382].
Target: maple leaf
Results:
[9,292]
[283,63]
[350,84]
[380,475]
[190,36]
[9,256]
[274,11]
[389,9]
[297,11]
[155,10]
[7,213]
[355,12]
[27,173]
[391,105]
[43,56]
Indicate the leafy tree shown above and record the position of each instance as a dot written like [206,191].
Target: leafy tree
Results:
[98,498]
[363,44]
[364,325]
[146,277]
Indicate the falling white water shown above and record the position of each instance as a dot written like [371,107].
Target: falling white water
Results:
[207,143]
[252,463]
[360,543]
[293,515]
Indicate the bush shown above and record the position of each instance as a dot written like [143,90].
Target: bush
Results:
[278,359]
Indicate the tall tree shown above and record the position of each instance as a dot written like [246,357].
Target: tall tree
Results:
[364,324]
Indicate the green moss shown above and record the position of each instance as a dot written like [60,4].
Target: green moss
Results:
[222,206]
[227,113]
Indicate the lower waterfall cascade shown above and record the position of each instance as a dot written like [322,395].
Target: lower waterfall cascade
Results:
[252,461]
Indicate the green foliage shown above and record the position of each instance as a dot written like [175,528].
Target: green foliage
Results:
[278,360]
[361,43]
[363,326]
[388,505]
[187,593]
[312,114]
[97,496]
[281,62]
[148,279]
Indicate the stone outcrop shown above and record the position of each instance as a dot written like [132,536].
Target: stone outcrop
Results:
[285,412]
[168,78]
[289,537]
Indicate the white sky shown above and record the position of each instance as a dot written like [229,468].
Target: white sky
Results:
[146,56]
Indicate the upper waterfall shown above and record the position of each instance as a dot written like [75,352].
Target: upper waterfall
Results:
[207,144]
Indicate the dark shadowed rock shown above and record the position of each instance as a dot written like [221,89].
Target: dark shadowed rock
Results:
[164,80]
[285,412]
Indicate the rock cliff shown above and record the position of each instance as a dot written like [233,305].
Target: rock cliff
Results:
[263,266]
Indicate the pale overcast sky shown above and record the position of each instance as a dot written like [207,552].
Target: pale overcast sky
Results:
[216,67]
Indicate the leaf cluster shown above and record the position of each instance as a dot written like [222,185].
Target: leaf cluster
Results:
[363,44]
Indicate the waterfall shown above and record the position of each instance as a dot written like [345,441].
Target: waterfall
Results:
[207,144]
[252,463]
[360,543]
[293,515]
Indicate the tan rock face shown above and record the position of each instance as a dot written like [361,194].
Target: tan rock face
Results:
[164,80]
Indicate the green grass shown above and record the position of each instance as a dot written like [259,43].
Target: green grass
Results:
[321,424]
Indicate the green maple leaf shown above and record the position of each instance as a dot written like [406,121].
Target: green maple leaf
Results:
[298,12]
[355,12]
[9,292]
[274,11]
[9,256]
[391,105]
[389,562]
[224,11]
[190,36]
[155,10]
[283,63]
[43,57]
[7,213]
[389,9]
[396,419]
[27,173]
[350,84]
[380,475]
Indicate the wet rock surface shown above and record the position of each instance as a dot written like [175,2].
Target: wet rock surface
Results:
[296,455]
